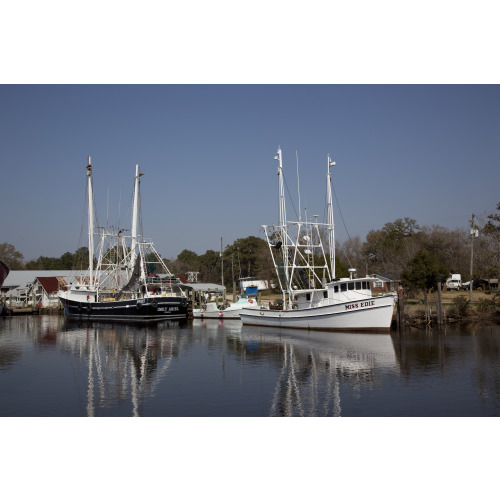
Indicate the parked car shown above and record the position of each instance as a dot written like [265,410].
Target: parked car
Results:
[466,285]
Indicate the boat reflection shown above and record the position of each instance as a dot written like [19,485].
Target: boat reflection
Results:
[217,368]
[126,362]
[313,365]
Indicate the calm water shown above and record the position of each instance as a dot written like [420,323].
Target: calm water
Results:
[50,366]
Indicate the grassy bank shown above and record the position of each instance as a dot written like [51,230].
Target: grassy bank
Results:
[456,307]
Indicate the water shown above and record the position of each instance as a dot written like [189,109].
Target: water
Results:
[50,366]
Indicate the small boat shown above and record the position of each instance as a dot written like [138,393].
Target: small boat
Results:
[313,298]
[212,310]
[127,279]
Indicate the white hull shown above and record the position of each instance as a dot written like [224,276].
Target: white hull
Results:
[200,314]
[231,312]
[371,314]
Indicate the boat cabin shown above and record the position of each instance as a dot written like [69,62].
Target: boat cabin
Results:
[336,292]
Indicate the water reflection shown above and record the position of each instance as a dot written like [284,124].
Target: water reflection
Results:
[473,350]
[126,362]
[314,365]
[216,368]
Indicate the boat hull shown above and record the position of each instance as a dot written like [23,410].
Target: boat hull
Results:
[372,314]
[147,309]
[232,314]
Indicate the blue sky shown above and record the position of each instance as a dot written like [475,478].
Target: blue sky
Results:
[429,152]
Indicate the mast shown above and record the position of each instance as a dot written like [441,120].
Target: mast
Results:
[331,227]
[135,211]
[135,216]
[282,208]
[90,222]
[222,262]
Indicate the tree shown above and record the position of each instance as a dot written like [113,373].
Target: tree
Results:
[44,263]
[451,247]
[247,252]
[493,225]
[423,272]
[12,257]
[189,258]
[491,231]
[210,266]
[81,258]
[388,250]
[351,252]
[67,259]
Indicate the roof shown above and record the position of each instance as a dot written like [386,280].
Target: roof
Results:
[51,284]
[15,292]
[22,278]
[383,278]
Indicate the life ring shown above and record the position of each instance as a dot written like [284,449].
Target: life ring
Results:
[154,303]
[250,300]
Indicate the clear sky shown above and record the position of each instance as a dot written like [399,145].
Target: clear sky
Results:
[429,152]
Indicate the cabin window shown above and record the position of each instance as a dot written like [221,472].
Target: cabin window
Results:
[350,286]
[325,294]
[308,296]
[343,287]
[358,285]
[365,285]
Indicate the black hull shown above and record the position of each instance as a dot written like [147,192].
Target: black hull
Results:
[148,309]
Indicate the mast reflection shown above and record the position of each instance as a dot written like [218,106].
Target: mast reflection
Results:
[314,365]
[126,362]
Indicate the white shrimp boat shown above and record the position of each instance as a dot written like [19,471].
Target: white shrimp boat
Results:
[126,279]
[211,309]
[313,298]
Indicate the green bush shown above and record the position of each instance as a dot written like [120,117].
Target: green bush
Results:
[461,306]
[486,305]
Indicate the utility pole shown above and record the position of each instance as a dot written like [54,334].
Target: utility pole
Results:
[474,233]
[222,269]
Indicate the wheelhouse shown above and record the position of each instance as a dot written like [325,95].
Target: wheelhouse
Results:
[338,291]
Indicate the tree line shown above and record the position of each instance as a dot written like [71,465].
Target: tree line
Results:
[401,250]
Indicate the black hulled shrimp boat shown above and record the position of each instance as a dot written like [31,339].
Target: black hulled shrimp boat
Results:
[126,279]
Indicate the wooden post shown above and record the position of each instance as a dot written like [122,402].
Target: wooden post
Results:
[400,316]
[439,305]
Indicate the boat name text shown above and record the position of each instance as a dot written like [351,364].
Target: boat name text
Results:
[360,304]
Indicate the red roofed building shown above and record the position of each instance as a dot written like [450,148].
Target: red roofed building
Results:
[45,289]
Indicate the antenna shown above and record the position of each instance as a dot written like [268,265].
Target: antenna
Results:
[298,181]
[119,206]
